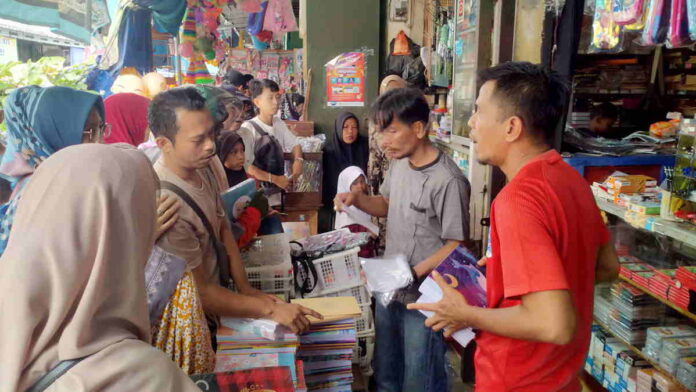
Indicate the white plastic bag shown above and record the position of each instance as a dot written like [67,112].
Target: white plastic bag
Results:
[386,275]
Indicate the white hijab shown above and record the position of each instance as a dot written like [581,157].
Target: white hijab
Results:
[353,215]
[72,282]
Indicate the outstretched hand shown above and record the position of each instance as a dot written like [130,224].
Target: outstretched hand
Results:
[450,313]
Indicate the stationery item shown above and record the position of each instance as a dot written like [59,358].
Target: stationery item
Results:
[332,308]
[236,199]
[275,379]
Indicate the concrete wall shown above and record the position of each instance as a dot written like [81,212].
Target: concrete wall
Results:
[334,27]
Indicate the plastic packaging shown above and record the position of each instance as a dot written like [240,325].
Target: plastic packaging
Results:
[606,34]
[386,275]
[678,25]
[652,32]
[691,15]
[640,22]
[627,12]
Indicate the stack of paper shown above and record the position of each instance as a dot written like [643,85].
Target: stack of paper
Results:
[250,344]
[326,351]
[461,272]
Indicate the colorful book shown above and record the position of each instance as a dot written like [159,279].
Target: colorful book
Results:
[276,379]
[238,197]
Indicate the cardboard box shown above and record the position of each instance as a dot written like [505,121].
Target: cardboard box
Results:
[630,183]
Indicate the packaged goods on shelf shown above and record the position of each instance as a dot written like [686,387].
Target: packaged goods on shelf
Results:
[656,337]
[673,350]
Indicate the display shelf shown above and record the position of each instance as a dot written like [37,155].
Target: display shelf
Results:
[681,311]
[682,232]
[639,352]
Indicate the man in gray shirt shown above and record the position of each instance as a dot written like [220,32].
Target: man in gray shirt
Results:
[425,198]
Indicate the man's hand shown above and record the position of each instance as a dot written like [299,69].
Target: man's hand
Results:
[450,311]
[293,316]
[167,213]
[281,181]
[296,169]
[343,200]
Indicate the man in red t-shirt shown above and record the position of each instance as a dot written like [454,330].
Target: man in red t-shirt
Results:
[549,243]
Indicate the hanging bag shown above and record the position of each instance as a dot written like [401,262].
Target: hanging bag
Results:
[269,157]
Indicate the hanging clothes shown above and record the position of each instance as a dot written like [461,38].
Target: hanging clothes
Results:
[166,14]
[127,114]
[135,40]
[40,121]
[255,20]
[250,6]
[280,18]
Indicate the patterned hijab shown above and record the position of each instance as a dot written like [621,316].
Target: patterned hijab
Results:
[40,121]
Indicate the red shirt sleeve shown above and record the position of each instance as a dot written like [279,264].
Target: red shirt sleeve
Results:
[528,255]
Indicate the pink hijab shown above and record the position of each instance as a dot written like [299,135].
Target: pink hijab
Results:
[72,284]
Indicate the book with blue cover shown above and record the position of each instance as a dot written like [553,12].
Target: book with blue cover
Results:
[238,197]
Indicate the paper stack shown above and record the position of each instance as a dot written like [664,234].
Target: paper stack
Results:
[673,350]
[461,272]
[326,350]
[634,311]
[657,336]
[248,344]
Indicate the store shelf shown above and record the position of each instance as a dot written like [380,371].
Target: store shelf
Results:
[679,231]
[639,353]
[681,311]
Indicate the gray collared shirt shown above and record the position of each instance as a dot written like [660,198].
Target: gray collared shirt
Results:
[428,206]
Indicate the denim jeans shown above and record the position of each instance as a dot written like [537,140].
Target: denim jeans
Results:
[408,355]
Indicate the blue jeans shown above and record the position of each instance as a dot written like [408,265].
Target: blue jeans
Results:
[408,355]
[270,225]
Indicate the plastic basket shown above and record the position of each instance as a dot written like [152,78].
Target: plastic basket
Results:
[283,285]
[365,323]
[363,351]
[267,250]
[336,272]
[361,294]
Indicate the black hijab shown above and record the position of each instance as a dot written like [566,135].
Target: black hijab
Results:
[226,143]
[340,155]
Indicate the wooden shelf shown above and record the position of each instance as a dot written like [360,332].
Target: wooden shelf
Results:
[639,352]
[681,311]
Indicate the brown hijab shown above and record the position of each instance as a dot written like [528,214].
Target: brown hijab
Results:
[72,284]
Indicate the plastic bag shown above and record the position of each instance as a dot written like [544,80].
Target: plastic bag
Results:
[678,25]
[653,23]
[627,12]
[640,23]
[691,13]
[385,276]
[606,34]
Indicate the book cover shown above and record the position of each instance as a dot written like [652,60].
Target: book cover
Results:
[268,379]
[461,271]
[236,198]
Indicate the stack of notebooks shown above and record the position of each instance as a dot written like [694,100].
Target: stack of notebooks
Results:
[327,348]
[656,337]
[687,373]
[634,311]
[664,279]
[673,350]
[245,344]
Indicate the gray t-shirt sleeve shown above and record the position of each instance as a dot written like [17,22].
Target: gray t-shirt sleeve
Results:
[452,205]
[385,188]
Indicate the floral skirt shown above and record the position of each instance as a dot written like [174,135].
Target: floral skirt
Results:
[183,332]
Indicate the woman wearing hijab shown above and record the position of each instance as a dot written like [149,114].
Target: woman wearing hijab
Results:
[41,121]
[347,148]
[127,114]
[77,297]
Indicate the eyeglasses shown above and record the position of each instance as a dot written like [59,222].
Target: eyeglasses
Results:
[101,132]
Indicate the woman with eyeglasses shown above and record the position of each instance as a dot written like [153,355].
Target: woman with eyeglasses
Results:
[41,121]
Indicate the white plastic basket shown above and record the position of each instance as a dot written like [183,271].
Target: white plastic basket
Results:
[365,323]
[336,272]
[283,285]
[267,250]
[363,351]
[361,294]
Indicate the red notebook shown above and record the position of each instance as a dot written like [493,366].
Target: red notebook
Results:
[268,379]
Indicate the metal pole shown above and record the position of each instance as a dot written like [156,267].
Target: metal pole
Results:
[177,64]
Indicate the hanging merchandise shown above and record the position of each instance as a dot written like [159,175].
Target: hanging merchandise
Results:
[606,34]
[627,12]
[258,44]
[249,6]
[135,40]
[188,34]
[653,32]
[691,13]
[197,72]
[640,23]
[678,25]
[280,18]
[255,20]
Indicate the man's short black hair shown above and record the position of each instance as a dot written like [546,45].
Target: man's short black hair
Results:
[605,110]
[407,105]
[531,92]
[256,87]
[162,111]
